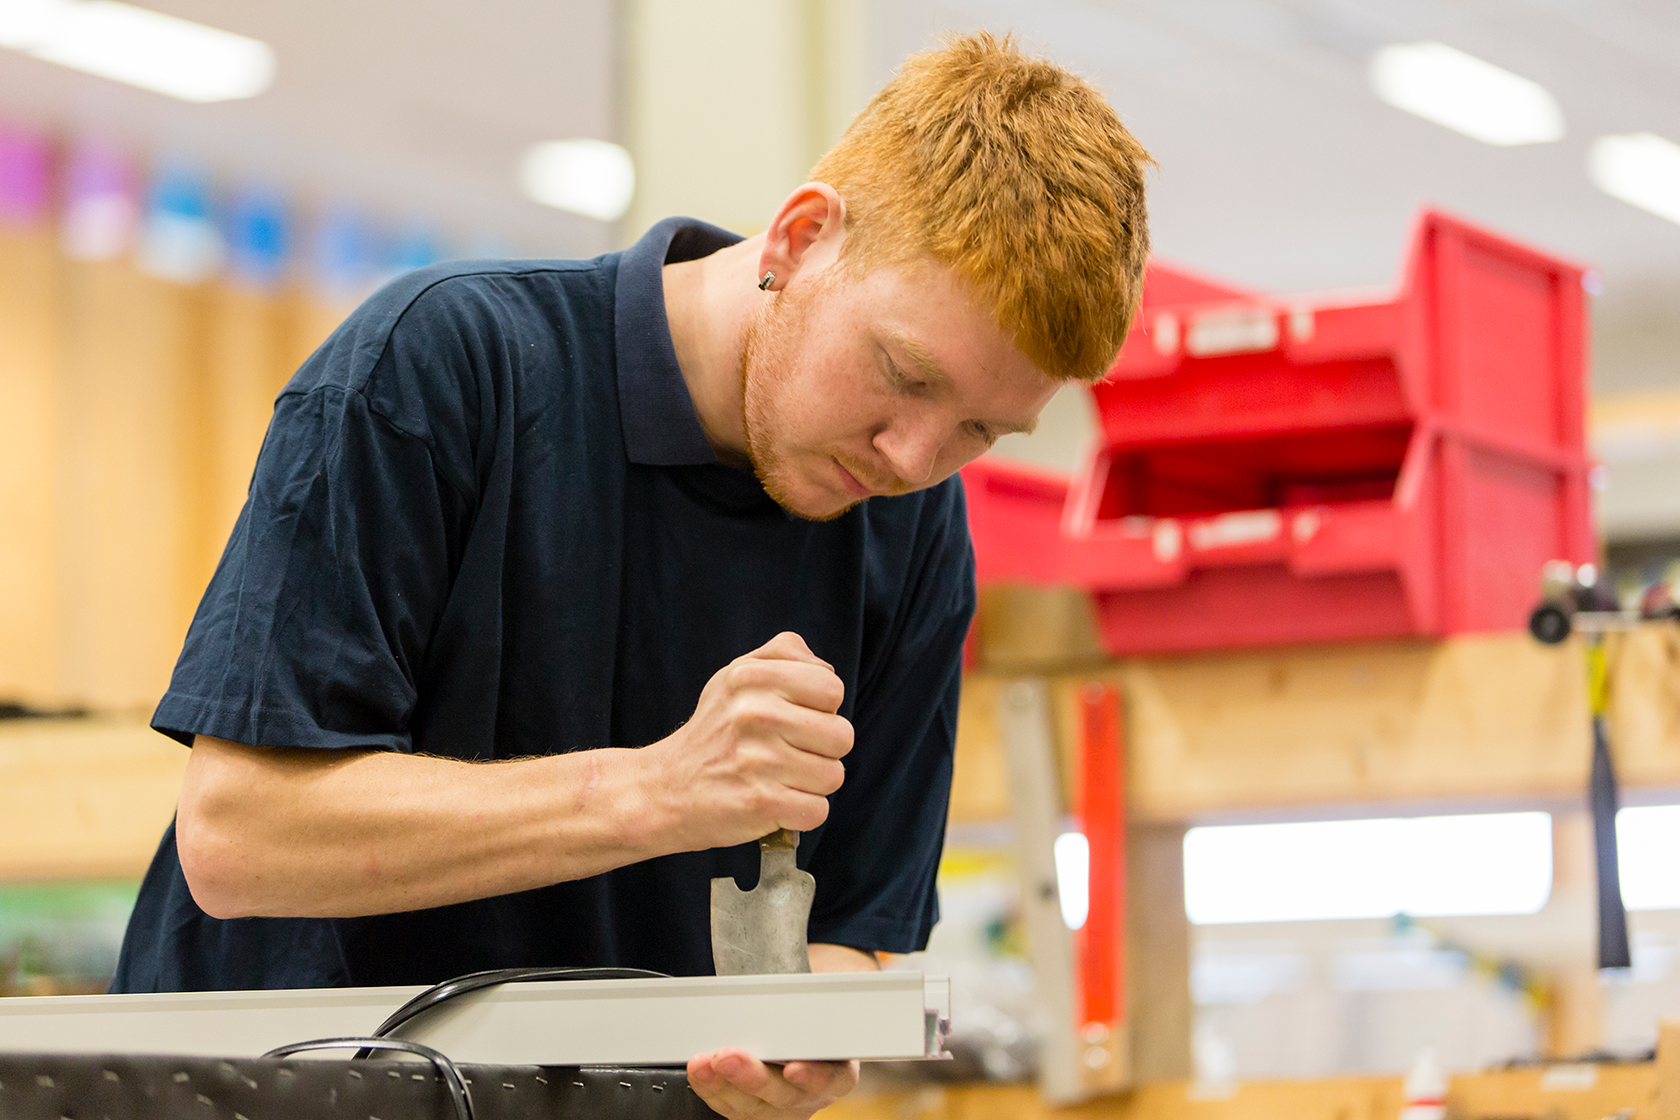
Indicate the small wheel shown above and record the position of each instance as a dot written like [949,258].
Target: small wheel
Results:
[1549,624]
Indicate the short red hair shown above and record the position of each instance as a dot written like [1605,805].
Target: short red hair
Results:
[1016,173]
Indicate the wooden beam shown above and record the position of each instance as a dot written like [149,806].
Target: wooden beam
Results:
[1471,717]
[84,799]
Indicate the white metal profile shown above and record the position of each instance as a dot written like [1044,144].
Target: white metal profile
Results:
[869,1016]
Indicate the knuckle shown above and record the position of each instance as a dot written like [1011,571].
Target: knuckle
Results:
[749,710]
[812,812]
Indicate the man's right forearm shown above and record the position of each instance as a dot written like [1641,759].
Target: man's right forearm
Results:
[318,833]
[277,832]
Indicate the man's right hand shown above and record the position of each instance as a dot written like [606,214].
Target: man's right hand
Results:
[761,752]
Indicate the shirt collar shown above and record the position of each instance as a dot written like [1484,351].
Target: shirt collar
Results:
[661,428]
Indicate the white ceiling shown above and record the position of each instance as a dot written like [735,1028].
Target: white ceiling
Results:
[1278,167]
[415,109]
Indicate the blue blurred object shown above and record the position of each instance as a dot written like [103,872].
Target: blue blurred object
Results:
[178,239]
[414,248]
[260,236]
[343,255]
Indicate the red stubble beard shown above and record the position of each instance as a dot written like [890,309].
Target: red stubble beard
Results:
[767,361]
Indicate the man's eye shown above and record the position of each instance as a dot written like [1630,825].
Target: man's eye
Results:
[982,432]
[899,379]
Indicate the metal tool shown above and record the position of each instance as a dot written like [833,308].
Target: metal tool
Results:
[762,931]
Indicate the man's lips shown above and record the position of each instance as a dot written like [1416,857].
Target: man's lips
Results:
[851,483]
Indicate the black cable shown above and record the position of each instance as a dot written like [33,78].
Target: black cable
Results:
[1604,800]
[452,1080]
[439,994]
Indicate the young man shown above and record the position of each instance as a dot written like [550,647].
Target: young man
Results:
[560,583]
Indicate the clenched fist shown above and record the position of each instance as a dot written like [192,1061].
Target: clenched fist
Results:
[762,751]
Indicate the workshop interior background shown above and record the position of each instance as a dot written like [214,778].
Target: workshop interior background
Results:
[177,234]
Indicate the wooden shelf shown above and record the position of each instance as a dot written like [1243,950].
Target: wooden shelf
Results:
[1556,1093]
[1474,717]
[84,798]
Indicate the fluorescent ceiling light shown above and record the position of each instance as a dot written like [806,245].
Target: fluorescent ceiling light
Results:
[1465,94]
[1643,169]
[589,177]
[143,48]
[1492,863]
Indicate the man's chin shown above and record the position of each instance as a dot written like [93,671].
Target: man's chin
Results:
[820,506]
[815,511]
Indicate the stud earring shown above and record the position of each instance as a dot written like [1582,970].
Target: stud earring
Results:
[769,279]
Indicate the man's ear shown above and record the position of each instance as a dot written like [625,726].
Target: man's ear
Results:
[808,229]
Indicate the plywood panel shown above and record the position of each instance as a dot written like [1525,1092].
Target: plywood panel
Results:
[133,459]
[28,424]
[1645,705]
[250,350]
[309,319]
[1473,716]
[84,799]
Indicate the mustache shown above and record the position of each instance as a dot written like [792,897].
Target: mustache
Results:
[891,485]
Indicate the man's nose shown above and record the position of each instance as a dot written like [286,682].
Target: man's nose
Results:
[912,447]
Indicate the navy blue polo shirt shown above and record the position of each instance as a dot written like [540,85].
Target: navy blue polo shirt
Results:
[486,524]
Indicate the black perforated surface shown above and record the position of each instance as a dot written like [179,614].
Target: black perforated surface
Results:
[147,1087]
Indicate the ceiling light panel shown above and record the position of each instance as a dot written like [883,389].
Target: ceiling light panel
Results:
[1465,94]
[589,177]
[1641,168]
[143,48]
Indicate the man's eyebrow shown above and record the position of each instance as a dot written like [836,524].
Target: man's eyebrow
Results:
[921,355]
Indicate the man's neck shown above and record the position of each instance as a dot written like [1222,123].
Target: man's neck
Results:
[709,304]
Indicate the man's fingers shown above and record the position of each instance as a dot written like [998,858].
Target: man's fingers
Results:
[823,1079]
[789,646]
[817,733]
[808,684]
[739,1086]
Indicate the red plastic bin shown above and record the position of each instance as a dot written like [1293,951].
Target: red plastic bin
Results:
[1299,469]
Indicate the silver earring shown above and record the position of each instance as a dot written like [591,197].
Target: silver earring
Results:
[769,279]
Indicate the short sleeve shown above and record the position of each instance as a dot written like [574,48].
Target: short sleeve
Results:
[319,614]
[878,857]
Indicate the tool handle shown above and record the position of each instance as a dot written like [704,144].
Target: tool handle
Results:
[781,838]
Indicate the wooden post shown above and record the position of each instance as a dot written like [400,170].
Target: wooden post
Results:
[1158,984]
[1574,1017]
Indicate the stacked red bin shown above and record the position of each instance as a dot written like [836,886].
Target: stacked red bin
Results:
[1321,468]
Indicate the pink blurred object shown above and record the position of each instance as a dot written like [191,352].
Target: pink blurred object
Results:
[102,204]
[25,159]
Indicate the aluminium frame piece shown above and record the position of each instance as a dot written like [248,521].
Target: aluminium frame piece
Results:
[885,1016]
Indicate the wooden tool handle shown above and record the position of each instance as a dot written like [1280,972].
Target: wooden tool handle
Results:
[781,838]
